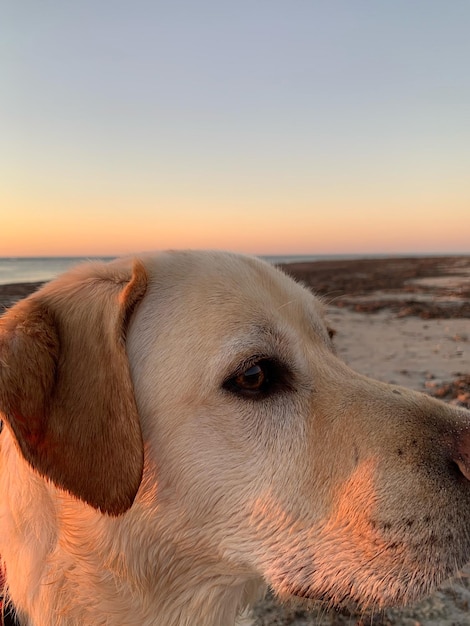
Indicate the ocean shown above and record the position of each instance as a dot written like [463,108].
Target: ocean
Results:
[36,269]
[39,269]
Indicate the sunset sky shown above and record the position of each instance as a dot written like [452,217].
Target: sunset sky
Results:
[265,126]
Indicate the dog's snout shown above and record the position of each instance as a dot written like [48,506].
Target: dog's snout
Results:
[462,453]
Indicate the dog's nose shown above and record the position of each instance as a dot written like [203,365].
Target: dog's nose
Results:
[462,453]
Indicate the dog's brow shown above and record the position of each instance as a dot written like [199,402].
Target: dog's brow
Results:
[260,338]
[264,331]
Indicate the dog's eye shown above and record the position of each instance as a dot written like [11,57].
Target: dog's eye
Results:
[252,379]
[257,379]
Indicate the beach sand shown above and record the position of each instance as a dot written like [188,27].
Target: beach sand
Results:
[403,321]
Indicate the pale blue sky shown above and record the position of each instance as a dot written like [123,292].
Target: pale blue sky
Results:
[317,113]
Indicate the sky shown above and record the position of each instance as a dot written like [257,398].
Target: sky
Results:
[262,126]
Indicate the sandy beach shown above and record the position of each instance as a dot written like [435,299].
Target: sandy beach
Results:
[403,321]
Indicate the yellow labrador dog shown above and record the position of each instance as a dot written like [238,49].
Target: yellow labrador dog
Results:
[179,434]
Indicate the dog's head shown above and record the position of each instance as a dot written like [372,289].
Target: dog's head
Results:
[264,452]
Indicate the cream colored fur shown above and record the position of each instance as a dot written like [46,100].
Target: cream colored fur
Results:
[140,488]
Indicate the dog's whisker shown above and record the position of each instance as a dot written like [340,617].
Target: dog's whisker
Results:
[282,306]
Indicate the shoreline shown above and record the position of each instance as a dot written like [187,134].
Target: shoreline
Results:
[429,287]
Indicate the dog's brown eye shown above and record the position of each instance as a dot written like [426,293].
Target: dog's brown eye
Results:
[257,379]
[251,379]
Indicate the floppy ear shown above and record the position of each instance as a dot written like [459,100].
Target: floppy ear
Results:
[65,386]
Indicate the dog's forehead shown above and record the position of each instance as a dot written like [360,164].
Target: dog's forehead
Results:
[229,292]
[228,279]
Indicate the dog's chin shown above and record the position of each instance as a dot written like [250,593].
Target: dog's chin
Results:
[357,596]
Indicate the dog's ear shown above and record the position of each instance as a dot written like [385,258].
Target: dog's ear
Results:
[65,386]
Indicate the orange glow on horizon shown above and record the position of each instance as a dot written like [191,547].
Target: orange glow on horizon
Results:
[116,225]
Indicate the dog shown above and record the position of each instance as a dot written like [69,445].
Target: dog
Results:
[179,434]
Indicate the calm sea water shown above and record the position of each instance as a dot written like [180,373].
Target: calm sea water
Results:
[37,269]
